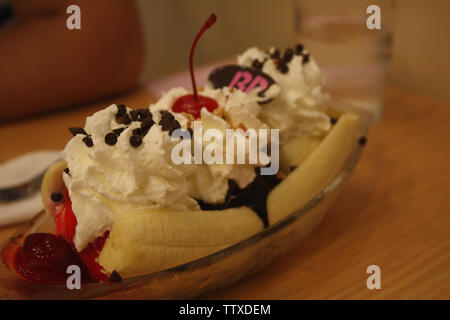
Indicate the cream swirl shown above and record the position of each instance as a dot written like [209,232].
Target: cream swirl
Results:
[237,109]
[300,108]
[109,180]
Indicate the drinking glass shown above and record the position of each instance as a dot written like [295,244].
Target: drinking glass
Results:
[353,57]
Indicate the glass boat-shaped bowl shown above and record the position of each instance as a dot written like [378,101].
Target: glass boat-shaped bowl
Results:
[196,277]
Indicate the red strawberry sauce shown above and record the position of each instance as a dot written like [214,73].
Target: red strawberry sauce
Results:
[44,257]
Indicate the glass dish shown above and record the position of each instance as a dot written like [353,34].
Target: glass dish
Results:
[191,279]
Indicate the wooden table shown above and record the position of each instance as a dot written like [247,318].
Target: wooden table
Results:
[394,211]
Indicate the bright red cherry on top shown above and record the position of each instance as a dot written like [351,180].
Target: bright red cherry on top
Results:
[193,103]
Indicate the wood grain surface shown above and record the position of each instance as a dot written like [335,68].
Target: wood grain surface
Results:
[393,212]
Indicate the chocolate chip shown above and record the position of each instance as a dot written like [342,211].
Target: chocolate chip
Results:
[298,49]
[121,109]
[56,196]
[305,58]
[123,119]
[288,54]
[126,119]
[144,114]
[257,64]
[118,131]
[111,138]
[166,115]
[275,54]
[67,171]
[115,277]
[146,125]
[137,131]
[168,122]
[333,120]
[88,141]
[283,68]
[77,130]
[135,140]
[175,125]
[134,114]
[362,141]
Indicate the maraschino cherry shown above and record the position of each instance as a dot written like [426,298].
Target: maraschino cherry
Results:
[193,103]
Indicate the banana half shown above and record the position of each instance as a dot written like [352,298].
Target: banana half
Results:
[318,170]
[151,240]
[146,241]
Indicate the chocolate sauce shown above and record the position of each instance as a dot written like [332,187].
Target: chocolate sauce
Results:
[253,196]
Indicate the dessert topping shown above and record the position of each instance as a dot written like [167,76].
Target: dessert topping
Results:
[362,141]
[121,109]
[301,103]
[257,64]
[288,54]
[193,103]
[135,140]
[111,138]
[88,141]
[134,114]
[137,131]
[115,277]
[77,130]
[45,257]
[282,67]
[118,131]
[253,196]
[144,114]
[298,49]
[56,196]
[146,125]
[168,122]
[274,54]
[305,58]
[123,119]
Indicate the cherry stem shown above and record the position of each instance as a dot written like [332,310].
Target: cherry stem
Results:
[209,22]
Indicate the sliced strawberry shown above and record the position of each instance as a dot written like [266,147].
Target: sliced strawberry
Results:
[45,257]
[66,223]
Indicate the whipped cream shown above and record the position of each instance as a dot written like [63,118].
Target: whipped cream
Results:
[107,181]
[300,107]
[236,110]
[235,107]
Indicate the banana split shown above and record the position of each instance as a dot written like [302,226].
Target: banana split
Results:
[124,207]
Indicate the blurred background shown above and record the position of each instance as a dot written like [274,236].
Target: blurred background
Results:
[124,44]
[420,47]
